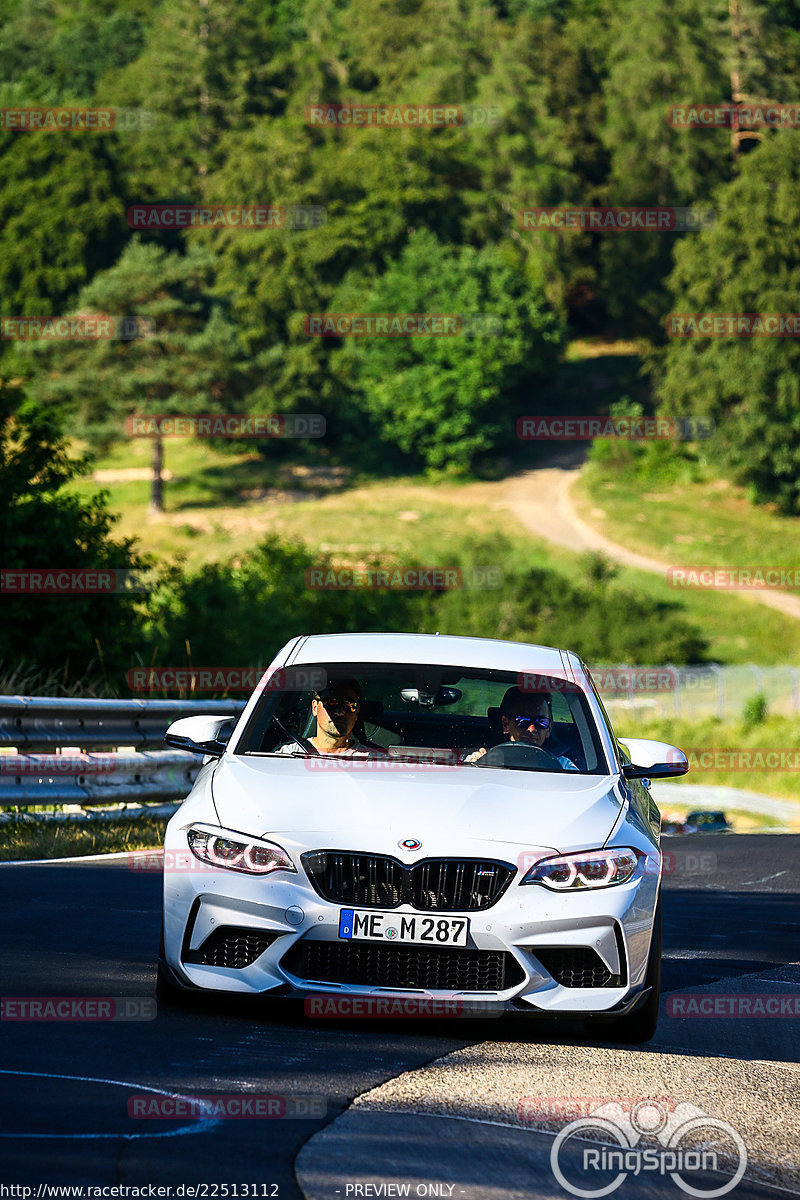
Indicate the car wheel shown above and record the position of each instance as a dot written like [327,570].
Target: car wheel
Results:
[639,1026]
[167,992]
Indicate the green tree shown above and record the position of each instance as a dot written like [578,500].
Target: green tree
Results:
[259,602]
[43,526]
[183,357]
[661,53]
[750,387]
[61,219]
[448,400]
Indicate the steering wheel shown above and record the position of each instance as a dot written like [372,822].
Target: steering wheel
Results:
[519,754]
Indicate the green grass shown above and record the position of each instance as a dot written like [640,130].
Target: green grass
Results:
[775,733]
[357,520]
[24,840]
[705,522]
[702,522]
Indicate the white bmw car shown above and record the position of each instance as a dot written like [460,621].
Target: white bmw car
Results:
[421,816]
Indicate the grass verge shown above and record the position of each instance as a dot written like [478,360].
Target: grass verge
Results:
[739,743]
[24,840]
[411,519]
[705,521]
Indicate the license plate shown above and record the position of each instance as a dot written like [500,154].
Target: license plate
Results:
[365,924]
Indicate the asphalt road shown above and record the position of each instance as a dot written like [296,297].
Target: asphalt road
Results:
[731,908]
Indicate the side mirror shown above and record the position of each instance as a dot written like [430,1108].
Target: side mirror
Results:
[653,760]
[201,735]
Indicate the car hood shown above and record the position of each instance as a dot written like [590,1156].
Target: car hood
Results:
[369,805]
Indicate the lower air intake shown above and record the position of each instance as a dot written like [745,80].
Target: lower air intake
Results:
[577,967]
[230,946]
[371,965]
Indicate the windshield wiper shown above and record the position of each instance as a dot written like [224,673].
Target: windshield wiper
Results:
[306,746]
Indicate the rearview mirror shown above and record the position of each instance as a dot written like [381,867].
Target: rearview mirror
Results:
[428,698]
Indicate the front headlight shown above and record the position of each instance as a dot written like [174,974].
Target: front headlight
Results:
[238,852]
[585,869]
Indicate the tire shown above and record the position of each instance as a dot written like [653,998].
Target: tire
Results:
[167,991]
[639,1026]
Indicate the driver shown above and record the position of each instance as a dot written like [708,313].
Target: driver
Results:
[335,709]
[527,717]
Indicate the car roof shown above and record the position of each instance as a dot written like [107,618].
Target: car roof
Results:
[439,649]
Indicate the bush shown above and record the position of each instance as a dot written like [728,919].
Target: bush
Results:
[42,527]
[449,401]
[755,710]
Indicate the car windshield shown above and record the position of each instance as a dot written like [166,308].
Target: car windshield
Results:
[421,714]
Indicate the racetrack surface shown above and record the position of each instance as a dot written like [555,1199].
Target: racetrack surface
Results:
[732,913]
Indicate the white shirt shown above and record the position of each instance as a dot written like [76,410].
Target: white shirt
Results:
[355,748]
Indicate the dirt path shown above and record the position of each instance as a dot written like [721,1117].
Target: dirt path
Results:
[541,501]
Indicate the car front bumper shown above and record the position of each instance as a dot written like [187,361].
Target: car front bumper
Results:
[559,946]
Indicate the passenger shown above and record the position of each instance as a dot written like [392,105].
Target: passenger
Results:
[335,708]
[526,717]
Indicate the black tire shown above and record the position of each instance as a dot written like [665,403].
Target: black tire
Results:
[167,991]
[639,1026]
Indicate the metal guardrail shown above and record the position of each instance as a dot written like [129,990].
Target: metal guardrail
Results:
[136,768]
[130,770]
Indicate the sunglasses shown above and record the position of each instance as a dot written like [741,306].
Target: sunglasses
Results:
[335,704]
[538,722]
